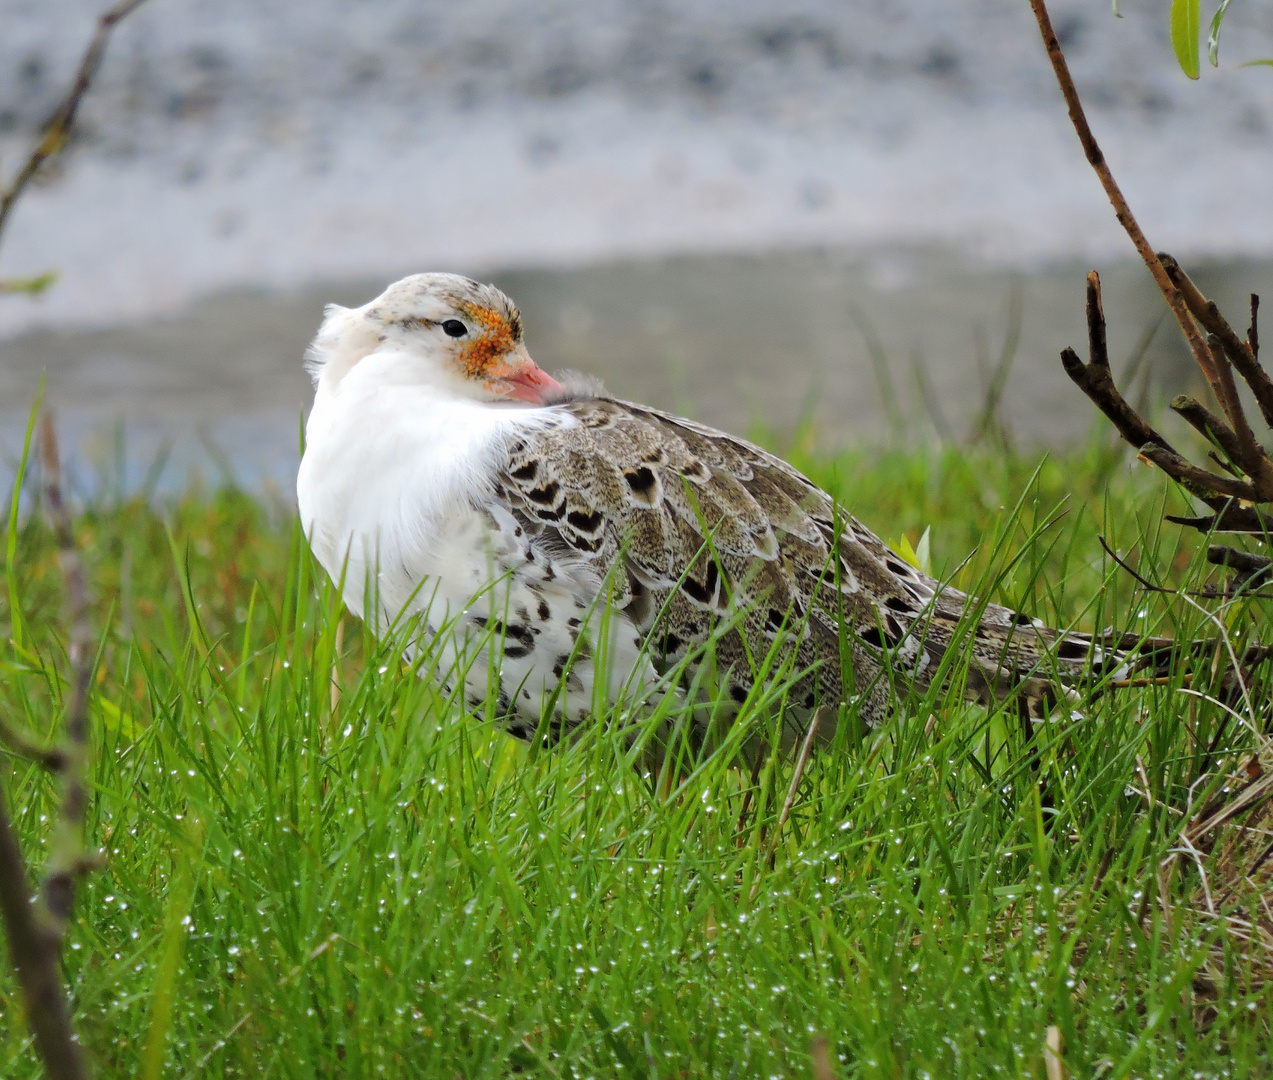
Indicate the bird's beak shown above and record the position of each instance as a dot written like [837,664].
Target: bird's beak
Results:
[517,376]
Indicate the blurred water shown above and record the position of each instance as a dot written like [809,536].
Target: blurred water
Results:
[713,206]
[732,340]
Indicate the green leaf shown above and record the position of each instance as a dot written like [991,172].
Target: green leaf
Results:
[116,721]
[923,552]
[1213,38]
[32,285]
[919,557]
[1185,19]
[1258,63]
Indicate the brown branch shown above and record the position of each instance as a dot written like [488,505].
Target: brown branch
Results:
[1253,331]
[1229,398]
[50,757]
[1143,582]
[1214,356]
[1250,570]
[35,950]
[1252,457]
[35,929]
[1243,354]
[1097,347]
[36,925]
[1230,518]
[1210,426]
[67,859]
[1097,381]
[1232,470]
[59,127]
[1207,592]
[1121,210]
[1207,486]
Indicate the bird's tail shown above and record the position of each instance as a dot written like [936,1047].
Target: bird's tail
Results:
[1015,656]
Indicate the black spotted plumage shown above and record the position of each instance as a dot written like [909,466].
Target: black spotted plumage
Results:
[694,526]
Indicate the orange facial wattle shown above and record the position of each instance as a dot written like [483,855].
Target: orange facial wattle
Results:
[496,340]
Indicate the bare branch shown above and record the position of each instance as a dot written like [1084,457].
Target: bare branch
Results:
[35,949]
[1121,210]
[1142,581]
[1210,426]
[1207,486]
[1253,331]
[1097,381]
[67,858]
[1250,466]
[1251,457]
[50,757]
[1244,355]
[35,926]
[59,128]
[1250,570]
[35,930]
[1097,348]
[1232,518]
[1215,554]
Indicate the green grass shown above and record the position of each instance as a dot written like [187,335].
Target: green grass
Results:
[387,886]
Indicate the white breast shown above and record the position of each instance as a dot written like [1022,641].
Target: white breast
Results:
[396,492]
[389,478]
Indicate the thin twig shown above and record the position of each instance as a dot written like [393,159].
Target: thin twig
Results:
[67,859]
[35,930]
[1231,518]
[1122,211]
[1204,485]
[1244,354]
[1208,593]
[59,128]
[1208,425]
[1157,680]
[1247,567]
[35,926]
[1096,380]
[1232,470]
[1254,461]
[35,950]
[1123,565]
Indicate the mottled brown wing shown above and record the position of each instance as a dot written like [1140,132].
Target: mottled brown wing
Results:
[706,525]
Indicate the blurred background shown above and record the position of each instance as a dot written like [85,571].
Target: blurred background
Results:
[850,217]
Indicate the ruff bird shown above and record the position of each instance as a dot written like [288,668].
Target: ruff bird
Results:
[560,546]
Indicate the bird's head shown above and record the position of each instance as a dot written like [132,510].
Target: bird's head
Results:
[456,333]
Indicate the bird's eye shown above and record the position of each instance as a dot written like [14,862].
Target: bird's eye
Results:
[454,328]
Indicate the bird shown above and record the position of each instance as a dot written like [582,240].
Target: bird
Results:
[562,550]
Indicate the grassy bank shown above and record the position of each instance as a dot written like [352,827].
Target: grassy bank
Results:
[305,881]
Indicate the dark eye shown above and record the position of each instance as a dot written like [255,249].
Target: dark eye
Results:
[454,328]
